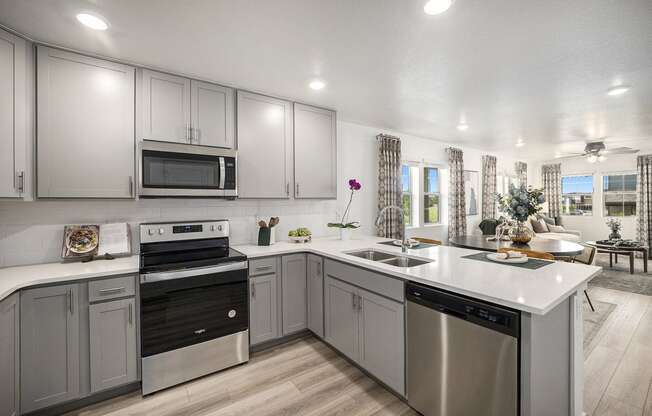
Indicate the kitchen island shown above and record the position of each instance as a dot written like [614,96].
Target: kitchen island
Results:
[549,300]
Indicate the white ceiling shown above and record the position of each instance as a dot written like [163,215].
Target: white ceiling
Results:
[532,69]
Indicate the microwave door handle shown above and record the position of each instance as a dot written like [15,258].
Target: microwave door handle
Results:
[222,172]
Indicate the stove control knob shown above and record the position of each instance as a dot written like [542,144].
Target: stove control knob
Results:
[219,228]
[150,232]
[161,231]
[212,228]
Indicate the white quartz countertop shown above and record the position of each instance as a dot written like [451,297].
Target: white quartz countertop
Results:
[19,277]
[535,291]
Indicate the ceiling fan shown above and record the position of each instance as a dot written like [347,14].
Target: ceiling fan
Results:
[597,151]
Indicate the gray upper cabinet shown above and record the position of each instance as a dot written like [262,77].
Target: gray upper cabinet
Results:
[9,355]
[315,277]
[165,102]
[341,317]
[295,314]
[315,152]
[112,344]
[213,115]
[263,313]
[49,346]
[85,136]
[265,135]
[382,339]
[13,101]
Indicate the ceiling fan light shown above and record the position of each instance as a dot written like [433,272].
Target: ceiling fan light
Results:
[592,159]
[602,158]
[618,90]
[434,7]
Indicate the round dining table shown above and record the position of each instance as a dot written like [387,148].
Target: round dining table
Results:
[558,248]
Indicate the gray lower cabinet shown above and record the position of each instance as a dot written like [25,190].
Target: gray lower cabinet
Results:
[263,313]
[112,343]
[315,277]
[85,126]
[382,339]
[9,355]
[341,317]
[294,286]
[49,348]
[367,328]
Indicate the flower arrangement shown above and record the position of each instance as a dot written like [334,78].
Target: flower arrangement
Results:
[615,225]
[354,186]
[520,202]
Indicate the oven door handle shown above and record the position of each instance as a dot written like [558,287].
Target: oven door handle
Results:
[178,274]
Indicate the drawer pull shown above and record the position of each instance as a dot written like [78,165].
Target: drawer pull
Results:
[263,268]
[112,290]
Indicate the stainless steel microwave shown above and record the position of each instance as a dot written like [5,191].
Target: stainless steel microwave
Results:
[183,170]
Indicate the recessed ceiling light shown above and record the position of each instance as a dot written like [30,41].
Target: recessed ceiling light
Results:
[317,84]
[434,7]
[520,143]
[92,21]
[592,159]
[462,127]
[618,90]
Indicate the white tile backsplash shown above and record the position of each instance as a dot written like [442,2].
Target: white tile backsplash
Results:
[31,232]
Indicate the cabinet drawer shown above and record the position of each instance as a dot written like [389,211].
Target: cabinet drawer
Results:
[262,266]
[115,287]
[374,282]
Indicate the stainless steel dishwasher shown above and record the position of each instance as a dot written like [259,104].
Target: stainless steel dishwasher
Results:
[462,355]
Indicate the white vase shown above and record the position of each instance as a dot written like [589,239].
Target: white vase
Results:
[272,235]
[345,234]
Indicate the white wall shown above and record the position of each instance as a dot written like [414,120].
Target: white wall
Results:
[593,227]
[31,232]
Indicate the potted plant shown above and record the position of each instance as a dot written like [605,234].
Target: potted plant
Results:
[518,204]
[615,225]
[344,226]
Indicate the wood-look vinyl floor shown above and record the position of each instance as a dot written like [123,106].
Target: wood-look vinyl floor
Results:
[306,377]
[303,377]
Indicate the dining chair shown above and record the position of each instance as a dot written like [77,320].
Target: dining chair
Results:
[586,257]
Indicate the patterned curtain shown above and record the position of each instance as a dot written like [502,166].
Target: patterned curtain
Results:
[488,187]
[551,178]
[456,198]
[389,185]
[644,200]
[521,172]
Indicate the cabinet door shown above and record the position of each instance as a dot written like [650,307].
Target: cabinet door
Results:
[49,348]
[295,310]
[265,133]
[165,112]
[12,114]
[315,152]
[112,343]
[263,325]
[9,354]
[85,126]
[315,295]
[341,318]
[213,115]
[382,339]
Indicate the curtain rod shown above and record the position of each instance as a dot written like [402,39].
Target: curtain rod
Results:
[386,136]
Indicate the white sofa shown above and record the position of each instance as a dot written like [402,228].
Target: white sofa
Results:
[568,235]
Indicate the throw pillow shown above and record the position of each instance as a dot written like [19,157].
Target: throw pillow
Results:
[539,226]
[556,229]
[548,220]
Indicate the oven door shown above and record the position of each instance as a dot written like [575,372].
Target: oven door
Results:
[172,169]
[187,307]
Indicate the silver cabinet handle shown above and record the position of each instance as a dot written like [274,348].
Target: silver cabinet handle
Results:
[112,290]
[263,268]
[131,186]
[188,137]
[71,301]
[287,188]
[353,301]
[253,291]
[359,303]
[20,178]
[131,314]
[194,135]
[297,185]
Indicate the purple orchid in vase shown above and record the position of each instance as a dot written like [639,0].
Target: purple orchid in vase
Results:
[354,186]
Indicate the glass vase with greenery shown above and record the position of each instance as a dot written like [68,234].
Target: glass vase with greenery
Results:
[518,204]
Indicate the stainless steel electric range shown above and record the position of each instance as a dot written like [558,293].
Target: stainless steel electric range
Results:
[194,302]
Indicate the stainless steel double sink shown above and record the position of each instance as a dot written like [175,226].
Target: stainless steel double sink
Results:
[388,258]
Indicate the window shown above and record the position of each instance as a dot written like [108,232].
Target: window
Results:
[406,179]
[577,195]
[619,194]
[431,211]
[502,187]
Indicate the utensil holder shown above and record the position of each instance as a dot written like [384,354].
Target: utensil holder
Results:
[264,236]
